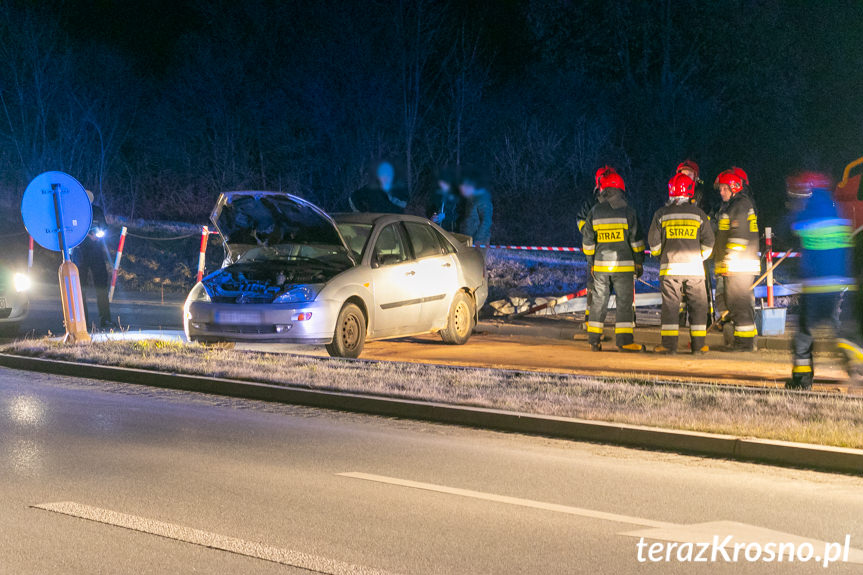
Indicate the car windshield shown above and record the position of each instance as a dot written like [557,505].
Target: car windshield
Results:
[323,255]
[356,236]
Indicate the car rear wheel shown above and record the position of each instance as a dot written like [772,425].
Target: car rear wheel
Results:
[350,335]
[461,320]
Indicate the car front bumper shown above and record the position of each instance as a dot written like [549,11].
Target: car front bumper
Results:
[16,308]
[278,323]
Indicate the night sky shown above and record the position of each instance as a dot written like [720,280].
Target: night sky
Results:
[194,97]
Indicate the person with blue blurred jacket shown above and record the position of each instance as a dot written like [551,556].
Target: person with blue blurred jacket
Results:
[825,275]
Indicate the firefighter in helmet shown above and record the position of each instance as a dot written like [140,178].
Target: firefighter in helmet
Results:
[825,270]
[583,212]
[681,236]
[736,259]
[613,243]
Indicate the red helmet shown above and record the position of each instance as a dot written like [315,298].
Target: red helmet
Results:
[610,179]
[731,179]
[681,186]
[603,171]
[740,174]
[801,185]
[690,164]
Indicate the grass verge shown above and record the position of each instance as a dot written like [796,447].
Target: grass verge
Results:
[773,414]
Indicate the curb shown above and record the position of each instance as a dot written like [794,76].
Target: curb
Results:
[837,459]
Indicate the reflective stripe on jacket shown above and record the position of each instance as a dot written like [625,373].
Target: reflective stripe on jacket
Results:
[680,234]
[737,238]
[611,236]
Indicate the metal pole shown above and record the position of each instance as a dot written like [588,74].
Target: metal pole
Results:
[117,263]
[768,240]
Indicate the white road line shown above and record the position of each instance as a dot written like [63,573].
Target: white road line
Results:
[590,513]
[207,539]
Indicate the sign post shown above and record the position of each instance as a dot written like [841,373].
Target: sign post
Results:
[57,214]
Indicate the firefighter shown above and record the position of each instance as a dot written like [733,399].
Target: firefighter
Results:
[681,235]
[736,258]
[583,211]
[825,270]
[691,169]
[613,244]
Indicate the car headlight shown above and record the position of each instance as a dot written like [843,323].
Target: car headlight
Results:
[298,294]
[22,282]
[198,294]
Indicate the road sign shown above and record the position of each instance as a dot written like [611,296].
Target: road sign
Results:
[58,214]
[55,202]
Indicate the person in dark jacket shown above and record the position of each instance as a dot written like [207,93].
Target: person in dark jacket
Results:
[92,258]
[825,275]
[736,258]
[613,243]
[681,236]
[384,196]
[443,204]
[476,214]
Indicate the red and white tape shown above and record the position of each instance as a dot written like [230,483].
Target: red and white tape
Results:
[578,250]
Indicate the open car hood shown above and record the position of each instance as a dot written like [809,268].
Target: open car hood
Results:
[247,220]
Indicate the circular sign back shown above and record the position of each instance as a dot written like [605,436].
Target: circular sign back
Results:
[38,208]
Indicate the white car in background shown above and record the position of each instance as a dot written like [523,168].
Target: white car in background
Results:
[294,274]
[14,299]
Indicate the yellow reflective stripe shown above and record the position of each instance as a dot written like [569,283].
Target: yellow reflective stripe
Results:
[588,251]
[725,224]
[610,269]
[581,224]
[687,223]
[698,332]
[850,347]
[594,327]
[735,246]
[746,333]
[669,332]
[611,226]
[623,330]
[802,369]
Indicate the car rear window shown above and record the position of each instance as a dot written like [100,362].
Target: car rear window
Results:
[424,240]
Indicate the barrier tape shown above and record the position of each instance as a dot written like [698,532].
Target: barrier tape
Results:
[578,250]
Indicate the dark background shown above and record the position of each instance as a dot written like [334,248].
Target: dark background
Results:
[157,106]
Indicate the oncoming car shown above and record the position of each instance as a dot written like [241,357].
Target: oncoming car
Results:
[14,299]
[294,274]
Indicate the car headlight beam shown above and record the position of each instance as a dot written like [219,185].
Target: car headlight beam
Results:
[21,282]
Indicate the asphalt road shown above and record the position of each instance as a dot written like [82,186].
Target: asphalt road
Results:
[273,478]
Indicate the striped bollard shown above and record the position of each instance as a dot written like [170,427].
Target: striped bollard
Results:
[30,255]
[202,255]
[117,264]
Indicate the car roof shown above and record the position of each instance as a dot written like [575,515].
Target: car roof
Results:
[375,219]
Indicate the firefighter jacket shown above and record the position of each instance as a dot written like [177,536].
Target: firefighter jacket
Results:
[825,239]
[611,237]
[682,237]
[737,237]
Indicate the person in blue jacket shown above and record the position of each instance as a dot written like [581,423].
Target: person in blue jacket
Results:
[825,274]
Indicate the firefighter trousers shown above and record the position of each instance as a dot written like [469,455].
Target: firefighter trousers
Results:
[837,308]
[738,299]
[623,284]
[673,288]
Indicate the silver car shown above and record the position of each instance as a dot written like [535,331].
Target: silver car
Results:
[294,274]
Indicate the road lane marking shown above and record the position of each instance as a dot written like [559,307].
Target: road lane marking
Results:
[580,511]
[658,530]
[208,539]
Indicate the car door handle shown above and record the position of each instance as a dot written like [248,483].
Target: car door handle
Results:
[410,273]
[446,265]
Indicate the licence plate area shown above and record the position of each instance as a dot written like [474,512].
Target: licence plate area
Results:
[237,318]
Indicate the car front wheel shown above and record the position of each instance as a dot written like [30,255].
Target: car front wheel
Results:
[460,322]
[350,335]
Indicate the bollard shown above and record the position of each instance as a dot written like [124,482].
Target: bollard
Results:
[30,255]
[117,264]
[768,240]
[202,256]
